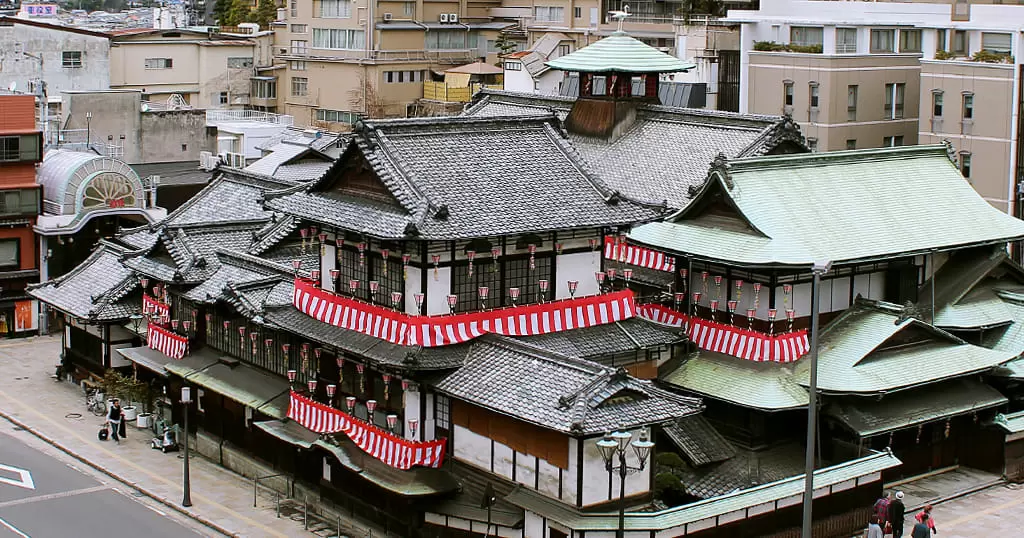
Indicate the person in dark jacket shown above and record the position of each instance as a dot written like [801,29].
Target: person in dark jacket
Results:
[114,418]
[896,513]
[921,529]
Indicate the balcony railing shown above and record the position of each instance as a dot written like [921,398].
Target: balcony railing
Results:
[411,55]
[214,117]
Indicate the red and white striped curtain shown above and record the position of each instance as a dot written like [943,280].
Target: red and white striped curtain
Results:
[639,256]
[173,345]
[153,306]
[731,340]
[431,331]
[385,446]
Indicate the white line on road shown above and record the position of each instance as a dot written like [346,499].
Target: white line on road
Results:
[60,495]
[13,528]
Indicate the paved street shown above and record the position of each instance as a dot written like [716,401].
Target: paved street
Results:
[42,496]
[995,512]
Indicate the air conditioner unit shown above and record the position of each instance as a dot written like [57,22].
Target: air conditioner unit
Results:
[453,17]
[207,160]
[388,17]
[444,17]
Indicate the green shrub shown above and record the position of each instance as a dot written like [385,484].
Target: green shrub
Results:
[943,55]
[771,46]
[670,460]
[990,57]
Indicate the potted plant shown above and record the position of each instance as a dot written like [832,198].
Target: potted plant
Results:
[125,389]
[145,419]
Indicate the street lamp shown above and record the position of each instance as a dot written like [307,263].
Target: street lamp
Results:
[615,444]
[186,399]
[819,268]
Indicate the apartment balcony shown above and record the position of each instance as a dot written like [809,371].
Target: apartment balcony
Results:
[448,56]
[213,117]
[772,46]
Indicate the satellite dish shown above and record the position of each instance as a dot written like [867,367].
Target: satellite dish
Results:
[13,87]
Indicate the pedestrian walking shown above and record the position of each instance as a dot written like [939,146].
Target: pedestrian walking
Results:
[881,508]
[921,529]
[874,529]
[897,511]
[925,516]
[114,417]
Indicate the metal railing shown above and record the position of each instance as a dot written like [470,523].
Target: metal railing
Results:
[447,55]
[217,116]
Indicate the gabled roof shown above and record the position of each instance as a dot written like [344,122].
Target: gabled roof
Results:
[969,290]
[605,341]
[559,392]
[289,153]
[459,177]
[620,53]
[95,289]
[233,196]
[843,206]
[665,155]
[874,348]
[758,385]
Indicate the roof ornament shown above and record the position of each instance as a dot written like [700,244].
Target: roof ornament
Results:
[721,165]
[950,150]
[620,16]
[909,311]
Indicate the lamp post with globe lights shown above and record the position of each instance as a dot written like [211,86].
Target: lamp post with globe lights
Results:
[614,447]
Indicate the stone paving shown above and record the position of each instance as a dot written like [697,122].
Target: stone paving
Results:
[55,411]
[996,512]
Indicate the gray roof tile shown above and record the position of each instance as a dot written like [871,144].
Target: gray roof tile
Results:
[95,289]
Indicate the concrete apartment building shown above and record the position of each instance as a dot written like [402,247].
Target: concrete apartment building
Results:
[208,70]
[872,74]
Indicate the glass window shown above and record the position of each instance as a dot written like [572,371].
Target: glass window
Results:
[910,40]
[297,65]
[239,63]
[813,87]
[350,259]
[443,411]
[71,58]
[159,63]
[300,28]
[299,46]
[851,103]
[787,92]
[108,190]
[264,89]
[968,106]
[335,9]
[883,40]
[894,94]
[940,40]
[19,202]
[996,42]
[965,164]
[549,14]
[20,148]
[513,66]
[577,12]
[339,38]
[960,42]
[448,40]
[300,86]
[812,144]
[846,40]
[806,36]
[892,141]
[851,143]
[223,98]
[937,104]
[8,252]
[294,5]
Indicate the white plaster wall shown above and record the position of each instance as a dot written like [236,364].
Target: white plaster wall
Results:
[550,82]
[595,476]
[428,423]
[518,80]
[327,262]
[870,286]
[472,448]
[438,290]
[412,287]
[533,526]
[502,461]
[577,266]
[548,482]
[475,449]
[526,469]
[411,410]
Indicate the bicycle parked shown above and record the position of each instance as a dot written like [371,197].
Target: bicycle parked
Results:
[94,402]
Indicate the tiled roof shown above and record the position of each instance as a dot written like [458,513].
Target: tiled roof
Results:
[699,441]
[870,416]
[759,385]
[603,341]
[870,349]
[463,178]
[95,289]
[980,308]
[964,269]
[622,54]
[1011,422]
[231,197]
[667,150]
[745,469]
[843,206]
[557,391]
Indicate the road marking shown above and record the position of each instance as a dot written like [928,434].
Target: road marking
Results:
[13,529]
[980,513]
[24,477]
[50,496]
[129,463]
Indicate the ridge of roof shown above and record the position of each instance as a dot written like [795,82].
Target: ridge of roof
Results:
[102,246]
[272,233]
[245,260]
[52,26]
[815,160]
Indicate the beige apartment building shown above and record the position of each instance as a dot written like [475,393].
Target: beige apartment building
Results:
[870,74]
[208,70]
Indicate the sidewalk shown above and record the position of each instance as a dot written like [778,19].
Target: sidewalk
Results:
[56,412]
[943,486]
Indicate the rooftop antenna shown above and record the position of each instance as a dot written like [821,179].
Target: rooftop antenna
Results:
[620,16]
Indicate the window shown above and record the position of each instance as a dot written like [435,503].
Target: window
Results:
[335,9]
[159,63]
[846,40]
[297,65]
[995,42]
[294,4]
[813,89]
[340,116]
[894,101]
[513,66]
[806,36]
[264,89]
[600,85]
[450,40]
[409,9]
[968,106]
[9,253]
[851,143]
[442,411]
[71,58]
[892,141]
[577,12]
[564,50]
[787,92]
[24,148]
[851,103]
[397,77]
[940,40]
[222,98]
[910,40]
[883,40]
[300,86]
[240,63]
[965,164]
[549,14]
[339,38]
[812,144]
[936,104]
[960,42]
[300,28]
[19,202]
[299,46]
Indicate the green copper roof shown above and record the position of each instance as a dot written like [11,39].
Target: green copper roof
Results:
[1011,422]
[760,385]
[843,206]
[981,308]
[621,53]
